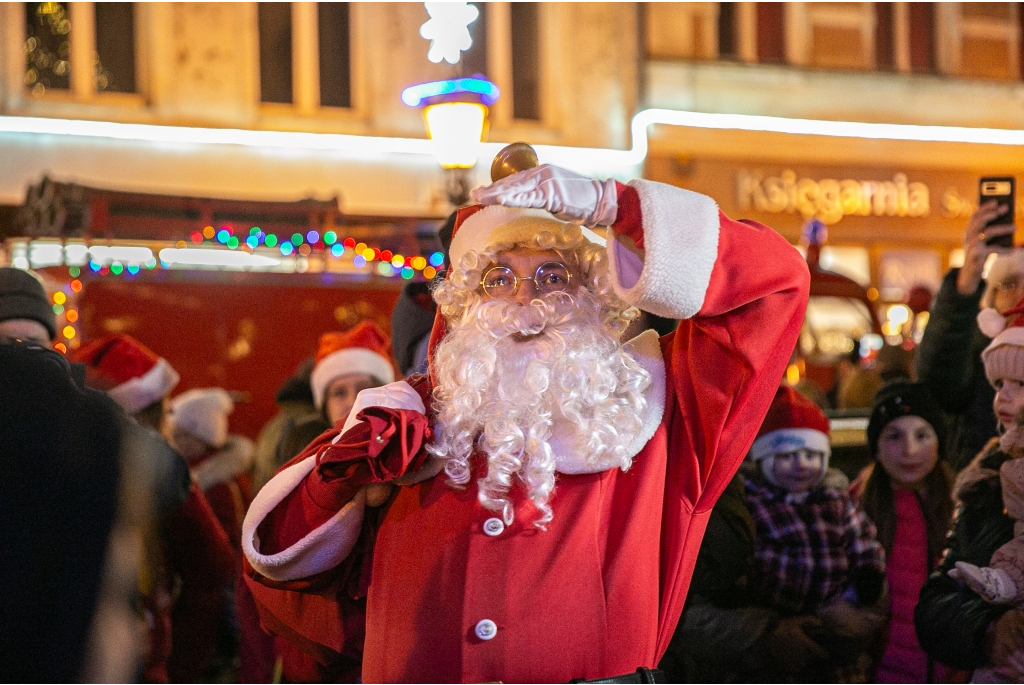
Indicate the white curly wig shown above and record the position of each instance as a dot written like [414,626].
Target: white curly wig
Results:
[508,398]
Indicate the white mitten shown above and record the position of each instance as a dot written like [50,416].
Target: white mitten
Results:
[566,194]
[993,584]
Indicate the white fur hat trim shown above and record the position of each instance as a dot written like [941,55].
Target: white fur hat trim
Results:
[991,322]
[789,440]
[346,361]
[137,393]
[203,412]
[497,224]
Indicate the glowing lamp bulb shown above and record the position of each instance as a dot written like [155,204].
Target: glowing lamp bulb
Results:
[456,129]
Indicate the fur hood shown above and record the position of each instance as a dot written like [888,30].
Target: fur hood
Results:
[980,479]
[233,459]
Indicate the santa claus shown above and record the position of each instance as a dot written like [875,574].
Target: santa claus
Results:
[542,494]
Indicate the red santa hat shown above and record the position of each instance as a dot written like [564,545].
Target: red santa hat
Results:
[363,349]
[1004,356]
[127,370]
[793,422]
[478,228]
[203,412]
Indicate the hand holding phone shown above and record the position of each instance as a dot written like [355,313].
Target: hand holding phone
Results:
[1000,189]
[989,231]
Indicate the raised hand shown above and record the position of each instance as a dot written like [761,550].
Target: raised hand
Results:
[566,194]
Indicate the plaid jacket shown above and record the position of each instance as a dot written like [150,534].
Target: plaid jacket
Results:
[807,552]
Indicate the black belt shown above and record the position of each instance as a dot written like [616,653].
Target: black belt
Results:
[640,675]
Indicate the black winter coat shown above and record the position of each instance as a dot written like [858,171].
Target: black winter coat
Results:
[949,363]
[951,620]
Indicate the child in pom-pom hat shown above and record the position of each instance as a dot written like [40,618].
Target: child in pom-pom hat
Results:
[815,551]
[1002,582]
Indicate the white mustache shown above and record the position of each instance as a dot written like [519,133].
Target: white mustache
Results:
[504,318]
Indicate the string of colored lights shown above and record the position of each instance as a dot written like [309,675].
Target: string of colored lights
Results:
[65,308]
[117,262]
[390,264]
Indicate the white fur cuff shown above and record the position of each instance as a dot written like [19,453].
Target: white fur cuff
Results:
[681,230]
[322,549]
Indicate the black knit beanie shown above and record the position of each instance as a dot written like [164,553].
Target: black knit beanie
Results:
[902,398]
[22,296]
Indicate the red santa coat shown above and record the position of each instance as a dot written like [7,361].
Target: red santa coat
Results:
[457,596]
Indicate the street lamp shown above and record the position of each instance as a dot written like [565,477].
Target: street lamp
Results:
[455,112]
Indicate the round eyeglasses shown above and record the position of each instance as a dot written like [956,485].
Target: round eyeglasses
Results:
[502,282]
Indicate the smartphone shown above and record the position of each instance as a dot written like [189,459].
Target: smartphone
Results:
[1000,189]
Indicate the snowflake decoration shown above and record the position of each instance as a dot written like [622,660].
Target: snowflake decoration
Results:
[448,29]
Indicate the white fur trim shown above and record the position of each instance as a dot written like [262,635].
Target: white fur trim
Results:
[646,349]
[397,395]
[788,440]
[323,548]
[1003,265]
[136,394]
[203,412]
[235,458]
[497,224]
[349,360]
[991,322]
[681,230]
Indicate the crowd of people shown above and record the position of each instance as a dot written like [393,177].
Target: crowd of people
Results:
[590,471]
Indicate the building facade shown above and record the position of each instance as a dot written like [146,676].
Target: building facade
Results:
[763,106]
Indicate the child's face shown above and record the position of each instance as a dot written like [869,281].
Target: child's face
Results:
[798,470]
[1009,401]
[908,450]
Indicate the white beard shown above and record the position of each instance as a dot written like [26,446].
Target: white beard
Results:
[573,383]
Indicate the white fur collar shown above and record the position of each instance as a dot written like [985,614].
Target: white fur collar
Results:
[235,458]
[646,349]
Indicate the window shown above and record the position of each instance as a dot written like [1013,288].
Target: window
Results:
[921,22]
[771,32]
[525,61]
[275,34]
[47,47]
[989,40]
[728,45]
[832,35]
[306,54]
[335,54]
[885,37]
[681,30]
[115,47]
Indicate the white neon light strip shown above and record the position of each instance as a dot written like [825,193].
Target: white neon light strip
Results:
[215,257]
[570,156]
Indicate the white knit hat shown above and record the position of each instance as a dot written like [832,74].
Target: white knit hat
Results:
[203,412]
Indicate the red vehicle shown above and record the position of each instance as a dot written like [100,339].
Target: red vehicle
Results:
[243,330]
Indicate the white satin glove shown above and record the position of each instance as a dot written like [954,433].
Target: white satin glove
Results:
[566,194]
